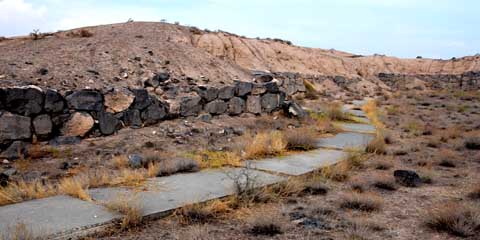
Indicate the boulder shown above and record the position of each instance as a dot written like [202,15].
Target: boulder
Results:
[85,100]
[190,105]
[42,125]
[407,178]
[216,107]
[157,79]
[243,88]
[118,100]
[14,127]
[16,150]
[293,109]
[132,118]
[207,93]
[79,124]
[108,123]
[27,101]
[271,87]
[254,104]
[155,112]
[54,102]
[142,99]
[226,92]
[236,106]
[270,102]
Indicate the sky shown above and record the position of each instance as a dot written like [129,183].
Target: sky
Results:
[402,28]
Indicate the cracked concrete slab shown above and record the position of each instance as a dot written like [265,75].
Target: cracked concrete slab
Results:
[346,140]
[356,127]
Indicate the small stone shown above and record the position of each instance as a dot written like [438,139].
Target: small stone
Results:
[205,117]
[207,93]
[26,101]
[108,123]
[243,88]
[142,99]
[135,161]
[473,143]
[54,102]
[155,112]
[132,118]
[270,102]
[190,105]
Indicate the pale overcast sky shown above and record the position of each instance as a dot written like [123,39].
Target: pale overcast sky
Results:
[403,28]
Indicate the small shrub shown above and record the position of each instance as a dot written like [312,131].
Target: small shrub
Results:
[365,202]
[194,214]
[131,208]
[82,33]
[338,172]
[120,161]
[447,163]
[195,232]
[458,219]
[315,188]
[335,112]
[311,93]
[265,144]
[382,165]
[266,224]
[377,145]
[357,231]
[176,165]
[301,139]
[23,191]
[384,183]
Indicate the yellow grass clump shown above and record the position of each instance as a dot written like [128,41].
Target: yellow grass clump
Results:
[217,159]
[265,144]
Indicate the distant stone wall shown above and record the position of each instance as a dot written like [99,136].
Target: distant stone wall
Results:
[465,81]
[29,112]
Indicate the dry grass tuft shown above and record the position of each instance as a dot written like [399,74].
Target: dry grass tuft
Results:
[377,145]
[75,187]
[371,109]
[301,139]
[382,164]
[384,182]
[196,213]
[458,219]
[335,112]
[217,159]
[366,202]
[82,33]
[120,162]
[266,224]
[19,232]
[338,172]
[131,208]
[265,144]
[23,191]
[195,232]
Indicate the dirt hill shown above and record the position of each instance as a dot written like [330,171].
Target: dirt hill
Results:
[127,54]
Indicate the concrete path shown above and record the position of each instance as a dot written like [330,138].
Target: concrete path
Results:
[65,217]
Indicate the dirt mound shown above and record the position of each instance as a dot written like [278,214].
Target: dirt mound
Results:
[129,53]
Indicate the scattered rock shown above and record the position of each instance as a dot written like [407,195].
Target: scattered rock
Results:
[14,127]
[243,88]
[135,161]
[258,89]
[293,109]
[190,105]
[108,123]
[473,143]
[16,150]
[86,100]
[236,106]
[142,99]
[216,107]
[118,100]
[270,102]
[25,101]
[407,178]
[3,180]
[42,124]
[54,102]
[226,92]
[42,71]
[157,79]
[254,104]
[206,117]
[78,125]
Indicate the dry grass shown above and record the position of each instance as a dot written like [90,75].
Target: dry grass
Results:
[311,93]
[382,164]
[338,172]
[195,232]
[301,139]
[266,224]
[384,182]
[325,125]
[265,144]
[458,219]
[357,231]
[377,145]
[130,207]
[75,187]
[82,33]
[217,159]
[175,165]
[23,191]
[475,193]
[119,161]
[452,132]
[335,112]
[371,109]
[365,202]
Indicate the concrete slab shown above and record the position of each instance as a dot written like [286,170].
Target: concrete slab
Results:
[168,193]
[346,140]
[356,127]
[299,164]
[53,215]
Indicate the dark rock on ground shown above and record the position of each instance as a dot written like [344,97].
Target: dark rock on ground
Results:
[42,71]
[64,140]
[407,178]
[14,127]
[42,125]
[4,179]
[206,117]
[142,99]
[132,118]
[107,123]
[293,109]
[86,100]
[190,105]
[136,161]
[25,101]
[243,88]
[473,143]
[236,106]
[54,102]
[16,150]
[157,79]
[216,107]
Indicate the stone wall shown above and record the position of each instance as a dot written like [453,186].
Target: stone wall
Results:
[29,112]
[465,81]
